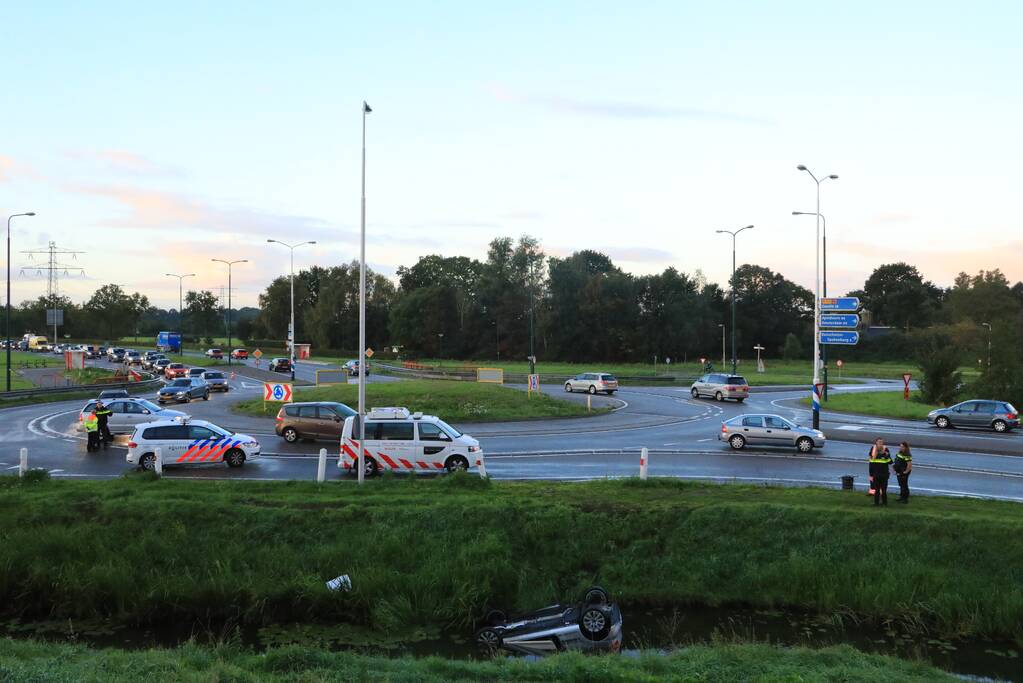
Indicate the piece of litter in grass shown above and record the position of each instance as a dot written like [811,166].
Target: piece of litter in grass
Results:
[342,582]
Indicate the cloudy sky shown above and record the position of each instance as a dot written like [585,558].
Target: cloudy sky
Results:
[155,139]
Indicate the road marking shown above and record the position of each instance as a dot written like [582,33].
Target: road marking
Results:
[55,471]
[703,440]
[14,467]
[851,428]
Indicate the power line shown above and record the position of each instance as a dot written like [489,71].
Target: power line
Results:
[53,269]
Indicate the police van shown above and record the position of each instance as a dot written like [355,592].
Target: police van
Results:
[183,441]
[403,442]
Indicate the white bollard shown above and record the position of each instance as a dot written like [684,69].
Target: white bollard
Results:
[321,467]
[158,463]
[644,460]
[589,402]
[482,466]
[23,463]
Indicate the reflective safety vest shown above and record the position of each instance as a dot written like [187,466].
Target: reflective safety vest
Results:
[882,459]
[901,456]
[91,423]
[103,412]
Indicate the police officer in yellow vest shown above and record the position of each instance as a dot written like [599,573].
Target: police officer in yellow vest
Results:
[903,466]
[880,459]
[103,415]
[91,423]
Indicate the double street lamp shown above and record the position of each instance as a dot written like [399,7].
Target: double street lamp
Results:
[181,310]
[733,233]
[7,331]
[291,328]
[229,264]
[817,303]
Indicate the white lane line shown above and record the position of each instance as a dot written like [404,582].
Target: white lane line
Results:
[55,471]
[14,467]
[850,428]
[703,440]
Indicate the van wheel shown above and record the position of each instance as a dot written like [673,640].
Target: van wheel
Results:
[737,442]
[568,388]
[147,462]
[235,457]
[695,393]
[290,435]
[371,468]
[456,463]
[593,390]
[804,444]
[719,396]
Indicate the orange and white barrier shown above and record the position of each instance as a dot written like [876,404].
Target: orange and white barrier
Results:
[644,459]
[350,448]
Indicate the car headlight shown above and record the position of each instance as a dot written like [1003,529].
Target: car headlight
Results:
[474,449]
[182,393]
[820,434]
[250,444]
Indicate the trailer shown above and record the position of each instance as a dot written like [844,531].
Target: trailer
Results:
[169,342]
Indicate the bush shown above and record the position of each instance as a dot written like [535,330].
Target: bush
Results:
[939,362]
[793,350]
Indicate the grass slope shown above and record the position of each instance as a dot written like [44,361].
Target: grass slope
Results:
[438,552]
[453,401]
[881,403]
[25,661]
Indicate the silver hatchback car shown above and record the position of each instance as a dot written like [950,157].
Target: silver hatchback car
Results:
[720,386]
[592,382]
[769,430]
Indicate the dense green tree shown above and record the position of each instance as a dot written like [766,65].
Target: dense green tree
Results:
[202,310]
[983,298]
[769,307]
[793,349]
[939,362]
[110,311]
[897,295]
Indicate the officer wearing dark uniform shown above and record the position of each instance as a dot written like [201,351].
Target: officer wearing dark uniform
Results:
[880,459]
[903,466]
[103,415]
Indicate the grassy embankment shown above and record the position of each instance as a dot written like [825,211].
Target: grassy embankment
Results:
[776,371]
[881,403]
[21,360]
[457,402]
[437,553]
[24,661]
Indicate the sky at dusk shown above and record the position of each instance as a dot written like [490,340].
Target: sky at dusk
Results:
[156,138]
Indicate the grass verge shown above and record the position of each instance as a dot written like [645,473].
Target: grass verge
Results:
[458,402]
[439,552]
[881,403]
[36,661]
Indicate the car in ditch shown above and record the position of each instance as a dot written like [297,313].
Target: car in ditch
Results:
[594,623]
[999,416]
[188,442]
[769,430]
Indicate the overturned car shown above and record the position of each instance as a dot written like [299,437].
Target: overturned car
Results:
[593,623]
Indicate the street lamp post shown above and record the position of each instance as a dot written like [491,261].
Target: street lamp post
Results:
[7,330]
[362,304]
[291,328]
[988,326]
[229,264]
[817,305]
[733,233]
[181,310]
[440,345]
[722,326]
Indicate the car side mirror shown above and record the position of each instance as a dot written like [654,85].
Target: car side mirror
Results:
[337,418]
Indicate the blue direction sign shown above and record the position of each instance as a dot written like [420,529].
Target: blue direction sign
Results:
[842,303]
[839,337]
[849,321]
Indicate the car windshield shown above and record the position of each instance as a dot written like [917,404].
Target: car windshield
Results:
[180,383]
[152,407]
[452,432]
[214,375]
[735,379]
[342,410]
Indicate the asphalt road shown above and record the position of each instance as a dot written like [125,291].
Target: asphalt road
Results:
[680,432]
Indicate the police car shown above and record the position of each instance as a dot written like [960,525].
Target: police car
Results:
[404,442]
[183,441]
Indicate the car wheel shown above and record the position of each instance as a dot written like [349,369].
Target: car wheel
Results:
[999,426]
[595,595]
[456,463]
[594,623]
[290,435]
[593,390]
[568,387]
[804,444]
[488,639]
[206,396]
[719,396]
[147,462]
[737,442]
[695,393]
[235,457]
[943,422]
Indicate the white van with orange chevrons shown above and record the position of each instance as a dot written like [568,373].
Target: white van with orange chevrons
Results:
[403,442]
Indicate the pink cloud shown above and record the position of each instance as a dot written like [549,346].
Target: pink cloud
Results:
[11,168]
[123,161]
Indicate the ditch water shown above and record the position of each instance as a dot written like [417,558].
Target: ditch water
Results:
[645,629]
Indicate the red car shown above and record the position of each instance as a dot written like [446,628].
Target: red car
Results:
[175,370]
[239,354]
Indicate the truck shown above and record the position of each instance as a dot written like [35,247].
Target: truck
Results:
[168,341]
[37,342]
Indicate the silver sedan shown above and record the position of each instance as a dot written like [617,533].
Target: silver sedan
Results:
[769,430]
